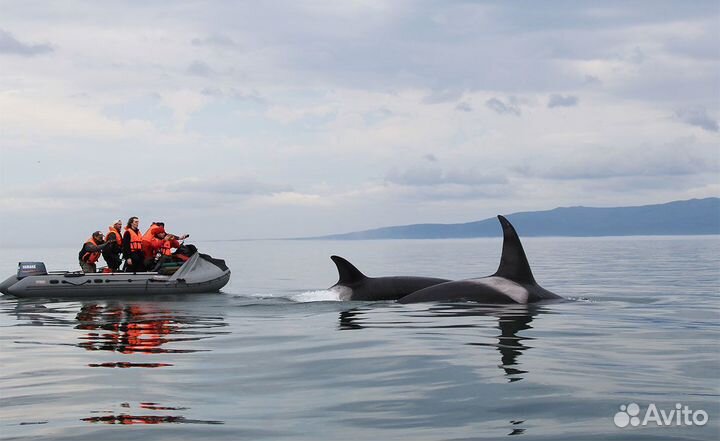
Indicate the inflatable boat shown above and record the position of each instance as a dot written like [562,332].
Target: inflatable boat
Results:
[199,274]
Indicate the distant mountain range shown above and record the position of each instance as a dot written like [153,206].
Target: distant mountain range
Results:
[695,216]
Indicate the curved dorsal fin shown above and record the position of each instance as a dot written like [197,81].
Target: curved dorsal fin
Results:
[347,271]
[513,262]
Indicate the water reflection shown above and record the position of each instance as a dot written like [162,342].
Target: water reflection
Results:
[145,333]
[510,322]
[130,417]
[124,327]
[130,328]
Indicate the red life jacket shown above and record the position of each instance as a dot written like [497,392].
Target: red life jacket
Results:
[118,236]
[135,240]
[90,257]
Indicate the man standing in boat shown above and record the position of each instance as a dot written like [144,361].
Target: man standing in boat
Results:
[132,246]
[90,252]
[111,253]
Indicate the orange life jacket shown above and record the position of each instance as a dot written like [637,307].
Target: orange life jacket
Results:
[166,248]
[149,245]
[135,240]
[118,236]
[152,231]
[90,257]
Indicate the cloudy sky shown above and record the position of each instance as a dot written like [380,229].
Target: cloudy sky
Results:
[291,118]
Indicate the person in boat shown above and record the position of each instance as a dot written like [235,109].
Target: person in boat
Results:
[90,252]
[111,253]
[154,241]
[151,242]
[132,246]
[164,246]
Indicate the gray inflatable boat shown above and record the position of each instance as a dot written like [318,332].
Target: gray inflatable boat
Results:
[199,274]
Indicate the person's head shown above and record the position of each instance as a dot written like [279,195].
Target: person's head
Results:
[98,236]
[133,222]
[160,234]
[117,224]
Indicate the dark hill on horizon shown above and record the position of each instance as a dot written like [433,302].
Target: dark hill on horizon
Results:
[691,217]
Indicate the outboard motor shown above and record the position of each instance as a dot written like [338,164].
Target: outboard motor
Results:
[26,269]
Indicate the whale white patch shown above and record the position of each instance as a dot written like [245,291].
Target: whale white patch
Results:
[512,289]
[343,292]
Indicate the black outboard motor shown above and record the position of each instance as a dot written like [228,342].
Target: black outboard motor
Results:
[26,269]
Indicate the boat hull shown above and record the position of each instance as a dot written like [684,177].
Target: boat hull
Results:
[200,274]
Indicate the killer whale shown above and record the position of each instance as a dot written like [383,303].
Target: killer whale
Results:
[513,282]
[354,285]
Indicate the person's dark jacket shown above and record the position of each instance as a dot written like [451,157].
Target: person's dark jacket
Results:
[113,248]
[136,257]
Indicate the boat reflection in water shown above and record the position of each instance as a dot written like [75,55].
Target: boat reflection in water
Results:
[126,418]
[137,328]
[142,329]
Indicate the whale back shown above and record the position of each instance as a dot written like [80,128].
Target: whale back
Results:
[513,262]
[348,274]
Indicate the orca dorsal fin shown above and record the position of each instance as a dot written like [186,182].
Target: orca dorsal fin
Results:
[513,262]
[347,271]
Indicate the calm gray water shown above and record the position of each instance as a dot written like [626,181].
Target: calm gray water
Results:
[273,357]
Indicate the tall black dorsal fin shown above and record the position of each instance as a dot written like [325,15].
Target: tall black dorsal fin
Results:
[513,262]
[347,271]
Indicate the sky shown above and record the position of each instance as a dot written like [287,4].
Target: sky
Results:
[231,120]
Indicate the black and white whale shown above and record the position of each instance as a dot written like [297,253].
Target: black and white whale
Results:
[354,285]
[513,282]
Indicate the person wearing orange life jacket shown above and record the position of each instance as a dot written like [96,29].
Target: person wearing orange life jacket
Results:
[164,247]
[153,242]
[90,252]
[132,246]
[111,253]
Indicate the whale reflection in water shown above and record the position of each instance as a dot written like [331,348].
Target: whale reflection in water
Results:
[511,321]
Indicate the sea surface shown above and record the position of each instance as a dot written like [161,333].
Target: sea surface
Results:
[275,356]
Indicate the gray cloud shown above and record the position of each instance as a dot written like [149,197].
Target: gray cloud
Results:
[511,107]
[697,116]
[557,100]
[303,57]
[215,40]
[591,80]
[234,185]
[430,157]
[200,68]
[234,94]
[464,107]
[10,45]
[421,176]
[443,96]
[376,116]
[683,157]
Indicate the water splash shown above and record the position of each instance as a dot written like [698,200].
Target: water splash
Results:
[322,295]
